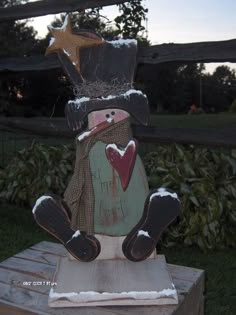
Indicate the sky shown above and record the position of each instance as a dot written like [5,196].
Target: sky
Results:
[178,21]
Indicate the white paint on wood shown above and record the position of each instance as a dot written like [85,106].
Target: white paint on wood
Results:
[76,234]
[85,134]
[51,42]
[132,91]
[121,42]
[103,296]
[126,94]
[63,27]
[78,102]
[123,150]
[66,52]
[162,192]
[49,248]
[39,201]
[144,233]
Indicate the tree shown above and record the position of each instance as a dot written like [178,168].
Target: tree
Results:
[219,89]
[224,75]
[171,87]
[91,19]
[189,86]
[127,25]
[16,37]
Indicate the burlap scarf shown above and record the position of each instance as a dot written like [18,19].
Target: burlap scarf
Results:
[79,194]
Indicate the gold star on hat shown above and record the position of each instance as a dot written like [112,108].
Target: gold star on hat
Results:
[70,44]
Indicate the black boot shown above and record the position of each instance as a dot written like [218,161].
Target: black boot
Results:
[53,215]
[162,206]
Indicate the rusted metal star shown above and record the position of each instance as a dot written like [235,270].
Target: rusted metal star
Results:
[70,44]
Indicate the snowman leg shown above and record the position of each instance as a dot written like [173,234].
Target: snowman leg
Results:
[53,215]
[161,208]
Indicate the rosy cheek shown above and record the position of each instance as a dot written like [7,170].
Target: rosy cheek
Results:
[120,116]
[99,118]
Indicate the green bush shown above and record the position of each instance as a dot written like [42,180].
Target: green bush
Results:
[35,171]
[232,108]
[205,181]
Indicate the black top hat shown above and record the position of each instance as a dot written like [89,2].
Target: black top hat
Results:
[111,66]
[113,61]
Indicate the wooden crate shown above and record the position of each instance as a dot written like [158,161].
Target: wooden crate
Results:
[26,278]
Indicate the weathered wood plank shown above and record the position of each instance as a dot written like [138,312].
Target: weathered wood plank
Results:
[190,300]
[99,276]
[41,126]
[19,300]
[27,282]
[193,301]
[189,280]
[220,51]
[35,63]
[209,137]
[36,269]
[215,51]
[58,128]
[24,300]
[50,248]
[11,309]
[185,273]
[38,256]
[38,303]
[41,306]
[29,300]
[44,7]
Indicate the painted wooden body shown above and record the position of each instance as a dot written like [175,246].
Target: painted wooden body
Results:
[116,211]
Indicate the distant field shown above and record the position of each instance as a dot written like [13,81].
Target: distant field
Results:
[194,121]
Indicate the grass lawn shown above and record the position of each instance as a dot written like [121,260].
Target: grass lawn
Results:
[224,120]
[220,268]
[19,231]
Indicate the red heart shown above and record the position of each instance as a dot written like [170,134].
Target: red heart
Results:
[123,160]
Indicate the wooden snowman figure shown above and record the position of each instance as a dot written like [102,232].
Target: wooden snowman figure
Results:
[107,211]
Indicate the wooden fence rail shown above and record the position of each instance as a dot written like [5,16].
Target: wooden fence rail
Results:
[44,7]
[222,51]
[57,127]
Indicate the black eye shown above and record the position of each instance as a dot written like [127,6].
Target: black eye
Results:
[113,113]
[107,115]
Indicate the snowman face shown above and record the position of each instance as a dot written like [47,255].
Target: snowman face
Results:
[111,115]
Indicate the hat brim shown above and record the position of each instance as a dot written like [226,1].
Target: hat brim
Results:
[135,104]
